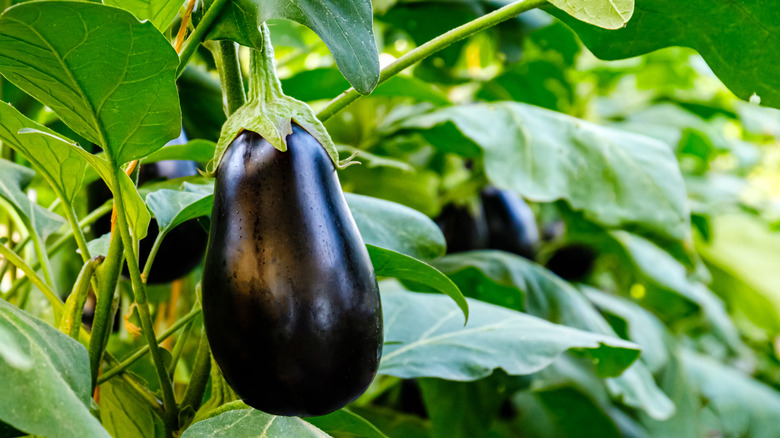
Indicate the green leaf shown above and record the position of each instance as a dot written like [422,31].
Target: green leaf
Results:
[393,226]
[424,338]
[388,263]
[100,245]
[737,39]
[14,179]
[198,150]
[740,405]
[517,283]
[616,178]
[743,260]
[126,415]
[62,167]
[174,207]
[345,26]
[251,423]
[345,423]
[12,353]
[123,99]
[608,14]
[668,278]
[51,398]
[160,12]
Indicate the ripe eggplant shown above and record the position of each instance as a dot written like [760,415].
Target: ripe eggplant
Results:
[510,222]
[290,299]
[183,248]
[463,229]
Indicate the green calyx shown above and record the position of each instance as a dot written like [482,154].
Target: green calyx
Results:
[270,113]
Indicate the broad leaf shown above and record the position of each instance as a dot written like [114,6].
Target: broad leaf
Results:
[52,397]
[251,423]
[388,263]
[56,160]
[16,178]
[516,283]
[126,415]
[160,12]
[736,38]
[608,14]
[393,226]
[424,337]
[174,207]
[198,150]
[346,423]
[123,99]
[345,26]
[616,178]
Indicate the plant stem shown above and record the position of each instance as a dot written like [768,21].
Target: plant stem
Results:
[43,258]
[55,301]
[145,349]
[152,255]
[200,375]
[197,35]
[179,347]
[170,416]
[230,76]
[81,242]
[70,324]
[441,42]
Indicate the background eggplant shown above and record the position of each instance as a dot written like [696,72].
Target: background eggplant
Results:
[183,247]
[572,262]
[290,300]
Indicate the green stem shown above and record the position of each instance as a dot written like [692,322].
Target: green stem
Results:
[55,301]
[170,416]
[179,348]
[74,306]
[108,277]
[263,81]
[199,34]
[200,375]
[133,358]
[81,242]
[230,76]
[58,244]
[441,42]
[43,258]
[152,255]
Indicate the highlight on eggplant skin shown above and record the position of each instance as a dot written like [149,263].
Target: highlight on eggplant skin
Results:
[290,299]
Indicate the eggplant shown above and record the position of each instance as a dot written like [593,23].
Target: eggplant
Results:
[290,300]
[510,223]
[182,249]
[572,262]
[463,229]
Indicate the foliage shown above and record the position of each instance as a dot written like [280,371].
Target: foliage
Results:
[626,132]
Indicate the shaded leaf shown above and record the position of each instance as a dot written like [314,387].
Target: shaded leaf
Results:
[125,415]
[16,178]
[251,423]
[344,422]
[123,99]
[51,398]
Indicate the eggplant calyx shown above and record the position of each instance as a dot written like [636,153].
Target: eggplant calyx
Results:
[270,113]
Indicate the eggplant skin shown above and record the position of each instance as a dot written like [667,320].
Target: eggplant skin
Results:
[290,299]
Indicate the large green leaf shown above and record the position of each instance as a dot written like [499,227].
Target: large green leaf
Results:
[14,179]
[345,26]
[739,405]
[743,259]
[160,12]
[123,99]
[251,423]
[514,282]
[738,39]
[609,14]
[424,337]
[389,263]
[56,160]
[614,177]
[50,396]
[394,226]
[126,415]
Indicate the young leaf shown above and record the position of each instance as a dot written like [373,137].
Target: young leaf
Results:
[174,207]
[250,423]
[615,178]
[737,39]
[425,338]
[14,179]
[608,14]
[345,26]
[388,263]
[56,160]
[52,397]
[123,99]
[160,12]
